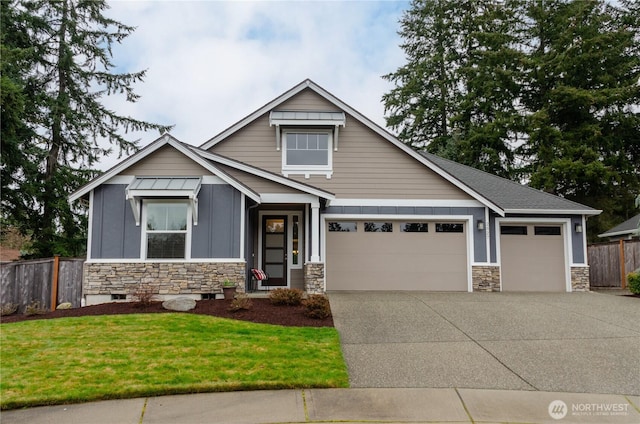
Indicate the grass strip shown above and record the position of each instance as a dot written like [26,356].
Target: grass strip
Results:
[70,360]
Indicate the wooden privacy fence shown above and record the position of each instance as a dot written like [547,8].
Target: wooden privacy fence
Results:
[611,262]
[48,281]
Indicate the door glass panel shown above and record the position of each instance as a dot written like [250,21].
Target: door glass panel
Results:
[274,255]
[274,271]
[294,247]
[274,226]
[274,240]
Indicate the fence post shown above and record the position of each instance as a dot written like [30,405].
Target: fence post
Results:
[54,282]
[623,277]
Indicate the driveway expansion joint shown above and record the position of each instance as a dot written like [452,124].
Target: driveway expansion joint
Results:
[477,344]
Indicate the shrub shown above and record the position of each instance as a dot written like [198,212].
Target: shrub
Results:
[143,295]
[317,306]
[291,297]
[241,302]
[34,308]
[8,309]
[633,278]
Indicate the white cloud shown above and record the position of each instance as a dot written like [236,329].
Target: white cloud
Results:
[212,63]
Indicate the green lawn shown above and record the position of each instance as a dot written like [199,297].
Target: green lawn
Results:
[67,360]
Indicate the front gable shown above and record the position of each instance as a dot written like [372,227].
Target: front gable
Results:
[166,161]
[363,164]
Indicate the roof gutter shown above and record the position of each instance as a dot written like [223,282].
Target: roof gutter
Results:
[585,212]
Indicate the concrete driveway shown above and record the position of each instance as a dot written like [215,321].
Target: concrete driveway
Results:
[571,342]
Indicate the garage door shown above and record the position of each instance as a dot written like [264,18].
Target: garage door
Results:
[393,255]
[532,257]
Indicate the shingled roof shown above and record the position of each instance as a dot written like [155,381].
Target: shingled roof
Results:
[628,227]
[510,196]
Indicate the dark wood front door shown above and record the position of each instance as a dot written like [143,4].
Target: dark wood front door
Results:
[274,249]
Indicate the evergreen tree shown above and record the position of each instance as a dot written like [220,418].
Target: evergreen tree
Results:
[19,159]
[58,70]
[584,127]
[426,89]
[543,91]
[454,96]
[488,120]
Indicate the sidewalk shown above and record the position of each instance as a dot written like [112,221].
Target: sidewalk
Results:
[345,405]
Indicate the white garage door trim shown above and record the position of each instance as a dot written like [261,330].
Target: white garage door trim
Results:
[566,238]
[467,219]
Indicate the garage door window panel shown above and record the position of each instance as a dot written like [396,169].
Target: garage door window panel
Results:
[343,227]
[547,231]
[378,227]
[514,230]
[449,228]
[414,227]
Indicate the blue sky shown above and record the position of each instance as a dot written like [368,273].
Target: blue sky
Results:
[211,63]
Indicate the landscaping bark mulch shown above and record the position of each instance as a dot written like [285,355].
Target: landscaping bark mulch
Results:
[262,311]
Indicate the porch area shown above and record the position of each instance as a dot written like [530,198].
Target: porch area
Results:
[283,241]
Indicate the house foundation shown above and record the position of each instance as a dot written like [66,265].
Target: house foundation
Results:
[106,282]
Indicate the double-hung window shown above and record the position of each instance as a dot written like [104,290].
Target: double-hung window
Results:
[307,139]
[307,151]
[167,225]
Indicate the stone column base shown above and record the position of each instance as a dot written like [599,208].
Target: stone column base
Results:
[485,278]
[580,279]
[314,277]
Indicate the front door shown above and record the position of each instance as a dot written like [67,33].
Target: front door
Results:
[274,249]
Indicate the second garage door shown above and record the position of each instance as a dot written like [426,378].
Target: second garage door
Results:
[532,257]
[393,255]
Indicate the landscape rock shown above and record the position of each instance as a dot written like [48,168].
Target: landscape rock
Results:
[180,304]
[65,305]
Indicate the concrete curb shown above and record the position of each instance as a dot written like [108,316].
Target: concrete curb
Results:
[414,405]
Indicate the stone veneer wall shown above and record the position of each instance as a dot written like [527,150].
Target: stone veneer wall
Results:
[314,278]
[485,278]
[167,278]
[580,278]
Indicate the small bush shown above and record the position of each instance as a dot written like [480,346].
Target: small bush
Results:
[8,309]
[290,297]
[241,302]
[633,278]
[317,306]
[143,295]
[34,308]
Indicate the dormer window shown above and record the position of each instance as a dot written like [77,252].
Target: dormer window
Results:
[307,140]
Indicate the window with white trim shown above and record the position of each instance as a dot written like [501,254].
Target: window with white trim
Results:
[307,152]
[167,224]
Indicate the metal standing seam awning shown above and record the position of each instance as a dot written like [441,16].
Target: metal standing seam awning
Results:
[180,187]
[307,118]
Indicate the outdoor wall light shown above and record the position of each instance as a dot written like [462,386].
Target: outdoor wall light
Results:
[578,228]
[480,225]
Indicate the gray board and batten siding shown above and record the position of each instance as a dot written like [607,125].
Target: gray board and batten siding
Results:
[115,235]
[217,234]
[479,237]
